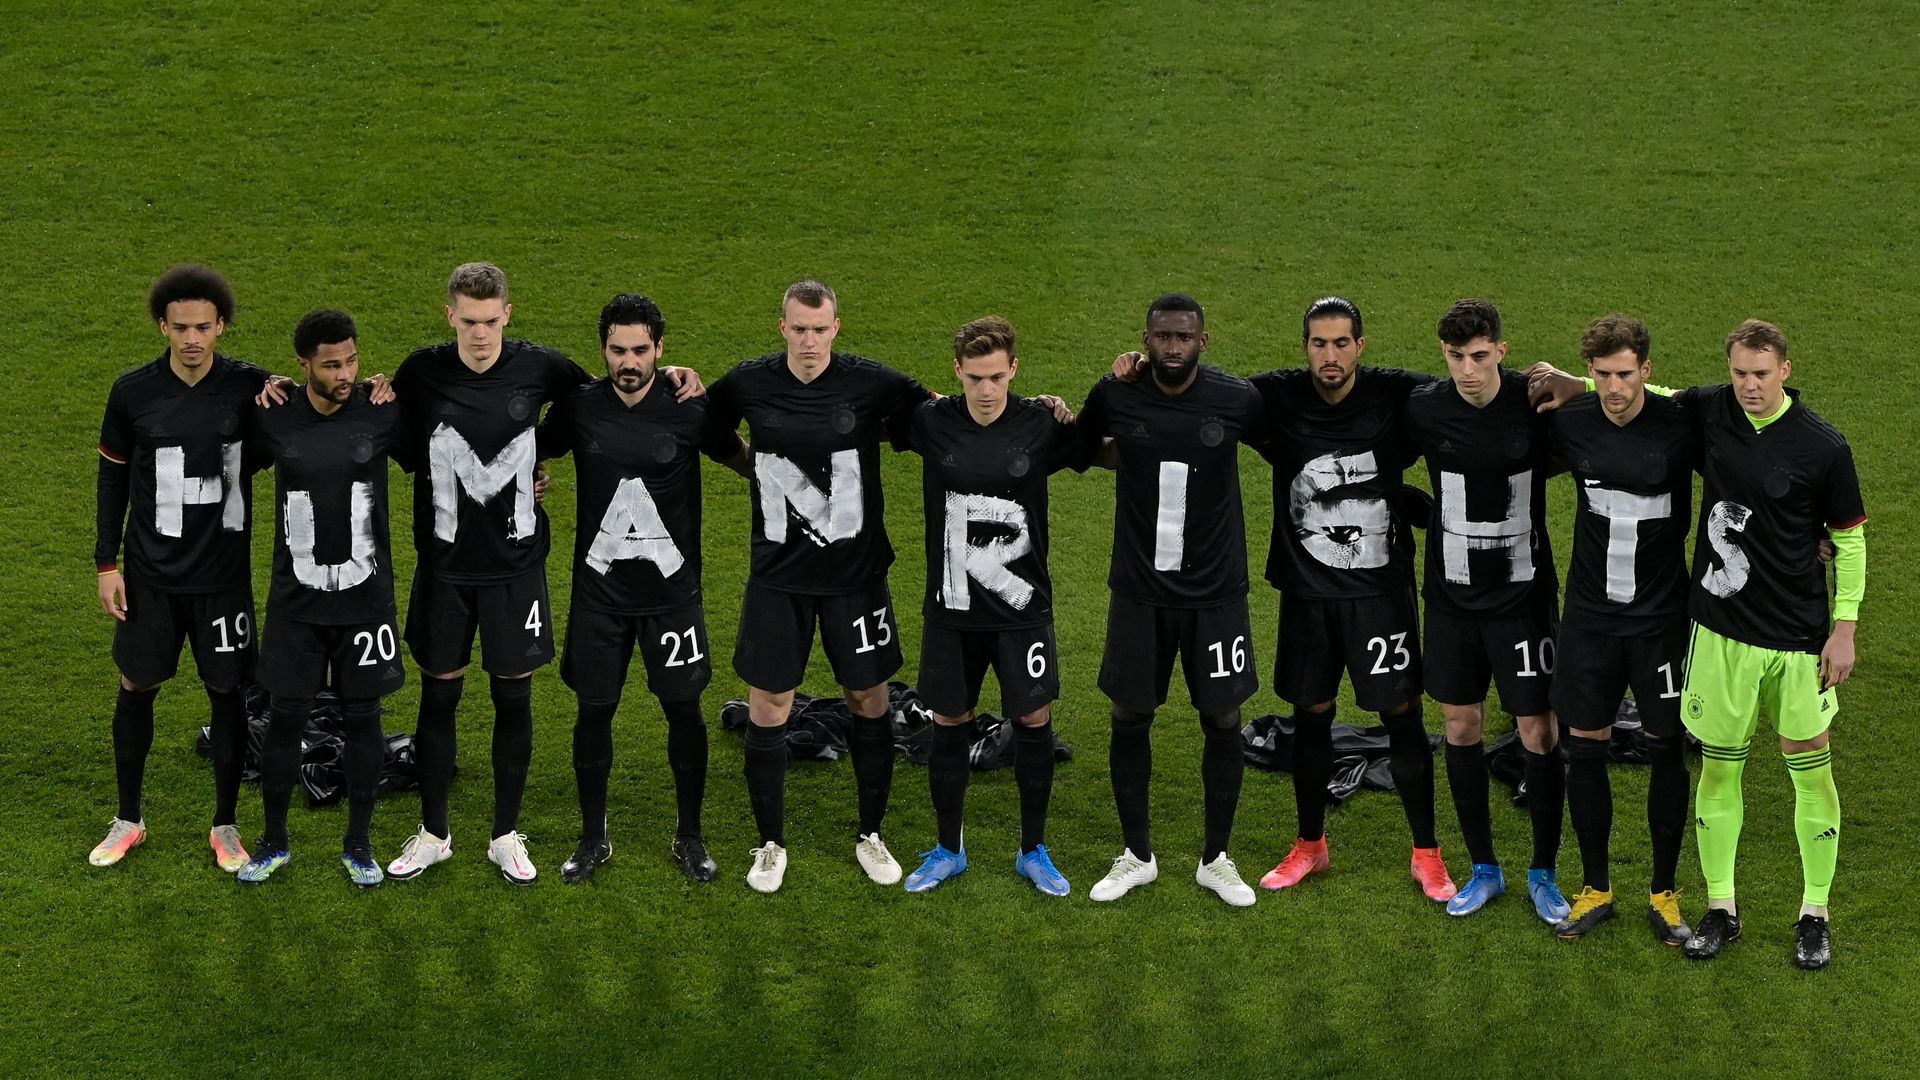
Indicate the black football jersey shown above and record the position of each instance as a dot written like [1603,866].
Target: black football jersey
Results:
[1633,509]
[332,553]
[1768,500]
[474,515]
[1179,534]
[1488,552]
[985,504]
[637,469]
[188,529]
[1337,473]
[819,515]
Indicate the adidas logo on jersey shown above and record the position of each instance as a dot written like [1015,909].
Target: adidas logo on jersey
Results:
[533,650]
[947,460]
[391,672]
[1139,431]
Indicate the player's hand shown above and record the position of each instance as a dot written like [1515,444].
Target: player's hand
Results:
[539,483]
[1836,659]
[1825,550]
[1129,366]
[1059,407]
[686,382]
[380,390]
[113,594]
[274,392]
[1548,387]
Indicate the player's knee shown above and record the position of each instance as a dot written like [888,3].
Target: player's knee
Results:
[223,691]
[510,690]
[1037,718]
[685,713]
[1409,707]
[1220,721]
[768,709]
[952,721]
[1802,746]
[127,685]
[1537,733]
[1584,747]
[445,676]
[870,703]
[594,713]
[1128,722]
[1323,708]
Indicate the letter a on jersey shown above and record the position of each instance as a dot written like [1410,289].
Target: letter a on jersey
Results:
[455,467]
[1346,534]
[986,563]
[632,529]
[174,490]
[334,577]
[836,514]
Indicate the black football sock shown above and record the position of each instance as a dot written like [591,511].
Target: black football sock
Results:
[1589,805]
[132,740]
[280,765]
[947,768]
[687,759]
[512,748]
[1223,762]
[1312,769]
[592,763]
[1130,763]
[365,758]
[1666,810]
[766,768]
[872,745]
[227,733]
[1033,774]
[1546,805]
[1410,758]
[433,749]
[1467,781]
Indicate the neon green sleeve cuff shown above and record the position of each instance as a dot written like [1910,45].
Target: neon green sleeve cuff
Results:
[1849,571]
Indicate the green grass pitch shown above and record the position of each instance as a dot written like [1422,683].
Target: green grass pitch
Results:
[1692,164]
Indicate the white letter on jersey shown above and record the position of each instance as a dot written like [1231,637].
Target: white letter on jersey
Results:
[1725,518]
[1170,528]
[336,577]
[453,465]
[1346,534]
[1515,533]
[631,529]
[985,563]
[1624,512]
[835,515]
[174,490]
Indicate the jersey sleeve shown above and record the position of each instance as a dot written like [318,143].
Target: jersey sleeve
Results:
[911,432]
[904,394]
[723,403]
[257,452]
[110,512]
[1849,571]
[1842,506]
[1267,388]
[1094,419]
[255,377]
[1065,448]
[409,395]
[1256,420]
[553,436]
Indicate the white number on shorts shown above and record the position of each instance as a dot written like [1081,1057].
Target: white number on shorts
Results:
[694,655]
[880,624]
[1666,672]
[1401,656]
[1220,654]
[242,627]
[1036,659]
[533,620]
[1524,648]
[381,639]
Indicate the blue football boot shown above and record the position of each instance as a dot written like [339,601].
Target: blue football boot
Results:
[1487,882]
[1544,887]
[1037,866]
[938,865]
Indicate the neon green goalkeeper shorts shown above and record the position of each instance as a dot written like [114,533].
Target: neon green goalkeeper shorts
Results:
[1729,683]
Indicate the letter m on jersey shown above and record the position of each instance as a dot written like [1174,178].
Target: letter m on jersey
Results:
[835,514]
[986,563]
[454,467]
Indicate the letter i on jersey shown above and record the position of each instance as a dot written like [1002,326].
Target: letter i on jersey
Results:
[830,516]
